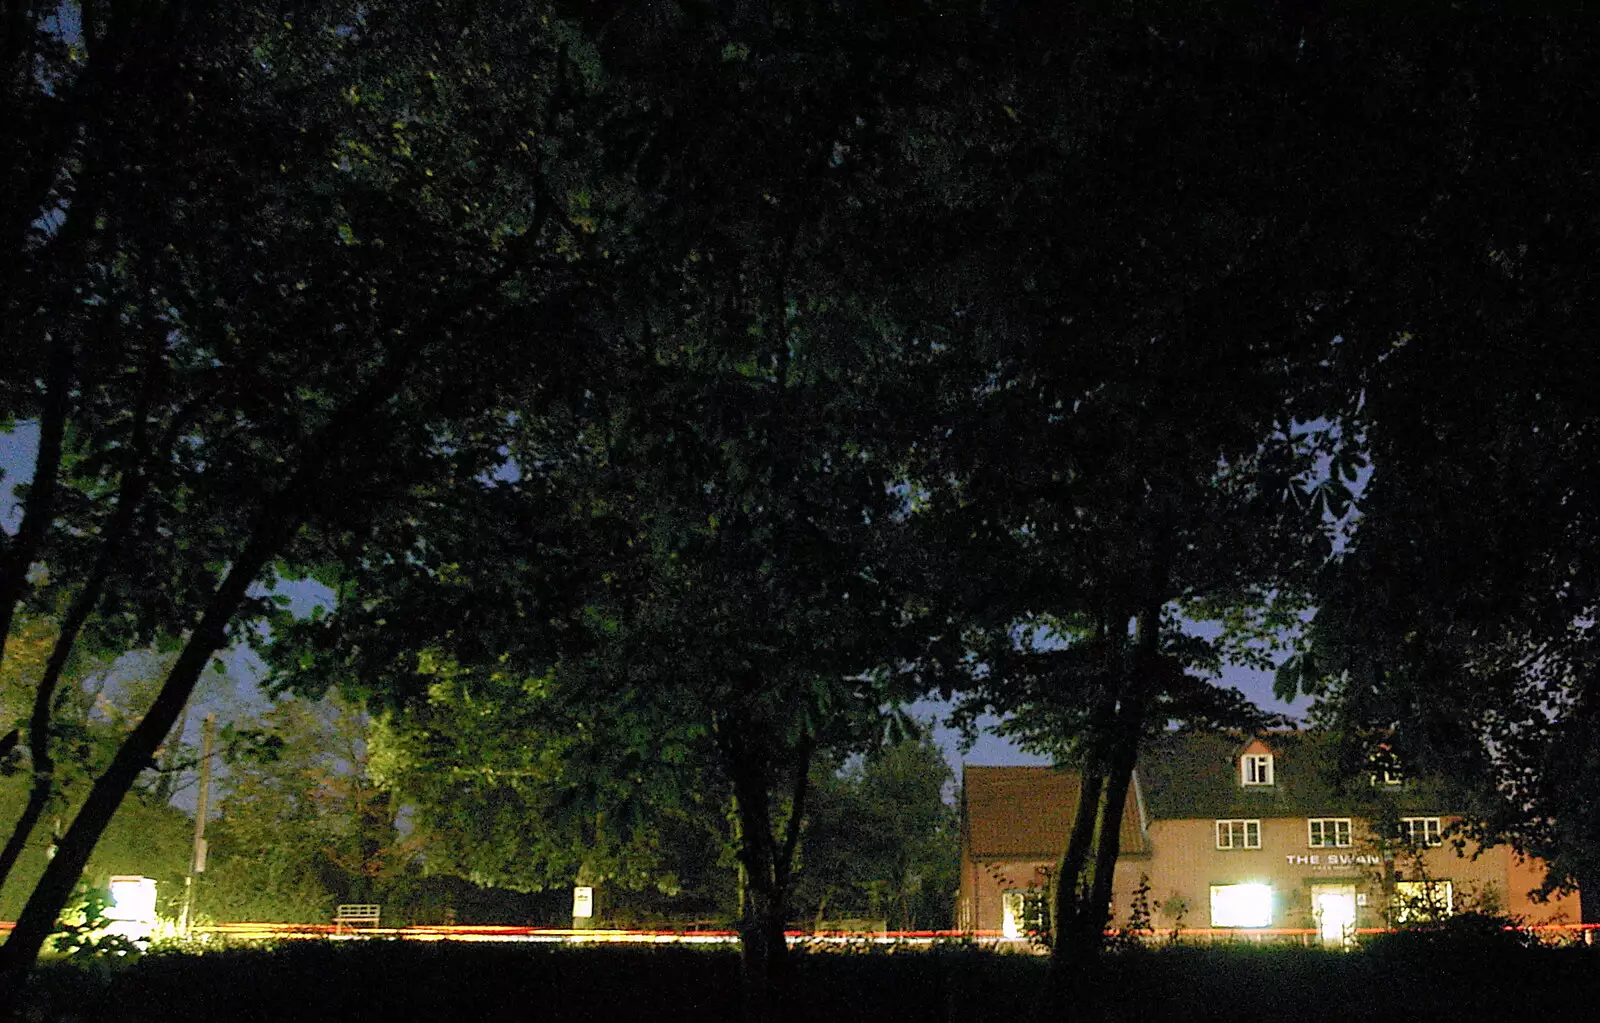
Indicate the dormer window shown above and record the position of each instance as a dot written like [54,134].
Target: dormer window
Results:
[1255,769]
[1385,768]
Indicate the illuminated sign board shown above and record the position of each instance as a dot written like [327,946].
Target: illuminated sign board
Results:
[1334,860]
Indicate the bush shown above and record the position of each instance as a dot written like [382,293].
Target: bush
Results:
[84,941]
[1463,933]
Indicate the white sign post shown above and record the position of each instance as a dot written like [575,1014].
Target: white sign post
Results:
[582,903]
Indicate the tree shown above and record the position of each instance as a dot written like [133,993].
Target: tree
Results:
[704,563]
[1142,327]
[1456,625]
[69,740]
[306,812]
[260,337]
[509,787]
[695,561]
[880,839]
[696,614]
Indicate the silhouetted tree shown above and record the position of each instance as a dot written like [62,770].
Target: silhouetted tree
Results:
[301,249]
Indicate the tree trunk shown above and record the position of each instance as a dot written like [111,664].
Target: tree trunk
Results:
[1069,871]
[768,865]
[763,950]
[132,488]
[1080,939]
[1067,905]
[1097,913]
[167,781]
[38,918]
[89,203]
[1124,755]
[18,552]
[38,799]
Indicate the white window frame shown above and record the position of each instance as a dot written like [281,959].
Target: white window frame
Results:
[1017,906]
[1421,900]
[1431,829]
[1328,832]
[1248,827]
[1255,769]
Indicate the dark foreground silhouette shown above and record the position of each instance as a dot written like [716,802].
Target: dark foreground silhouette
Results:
[394,982]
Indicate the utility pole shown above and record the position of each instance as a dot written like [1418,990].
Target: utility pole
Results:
[197,860]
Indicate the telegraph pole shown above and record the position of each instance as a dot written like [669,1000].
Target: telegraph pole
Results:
[197,859]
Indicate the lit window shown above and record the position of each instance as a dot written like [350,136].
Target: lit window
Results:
[1329,832]
[1422,901]
[1241,905]
[1239,834]
[1421,831]
[1023,912]
[1256,769]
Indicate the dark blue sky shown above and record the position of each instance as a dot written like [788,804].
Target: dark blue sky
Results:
[16,461]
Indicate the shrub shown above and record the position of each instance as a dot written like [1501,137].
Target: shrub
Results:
[1470,932]
[84,930]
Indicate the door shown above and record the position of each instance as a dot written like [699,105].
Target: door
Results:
[1334,906]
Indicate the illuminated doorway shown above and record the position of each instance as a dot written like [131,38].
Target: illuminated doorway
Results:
[1334,906]
[1024,913]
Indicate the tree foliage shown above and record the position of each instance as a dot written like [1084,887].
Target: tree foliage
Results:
[690,565]
[666,391]
[510,787]
[1142,328]
[304,824]
[881,842]
[234,322]
[1457,623]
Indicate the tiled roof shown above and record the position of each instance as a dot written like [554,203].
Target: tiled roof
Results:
[1197,775]
[1027,812]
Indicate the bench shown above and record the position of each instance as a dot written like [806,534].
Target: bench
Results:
[352,914]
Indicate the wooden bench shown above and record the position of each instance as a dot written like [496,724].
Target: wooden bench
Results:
[353,914]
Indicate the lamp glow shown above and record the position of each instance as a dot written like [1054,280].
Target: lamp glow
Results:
[133,907]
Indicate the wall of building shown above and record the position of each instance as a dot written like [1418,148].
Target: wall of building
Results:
[985,882]
[1186,862]
[1525,876]
[1013,816]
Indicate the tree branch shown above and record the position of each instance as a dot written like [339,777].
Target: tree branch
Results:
[131,493]
[797,812]
[19,553]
